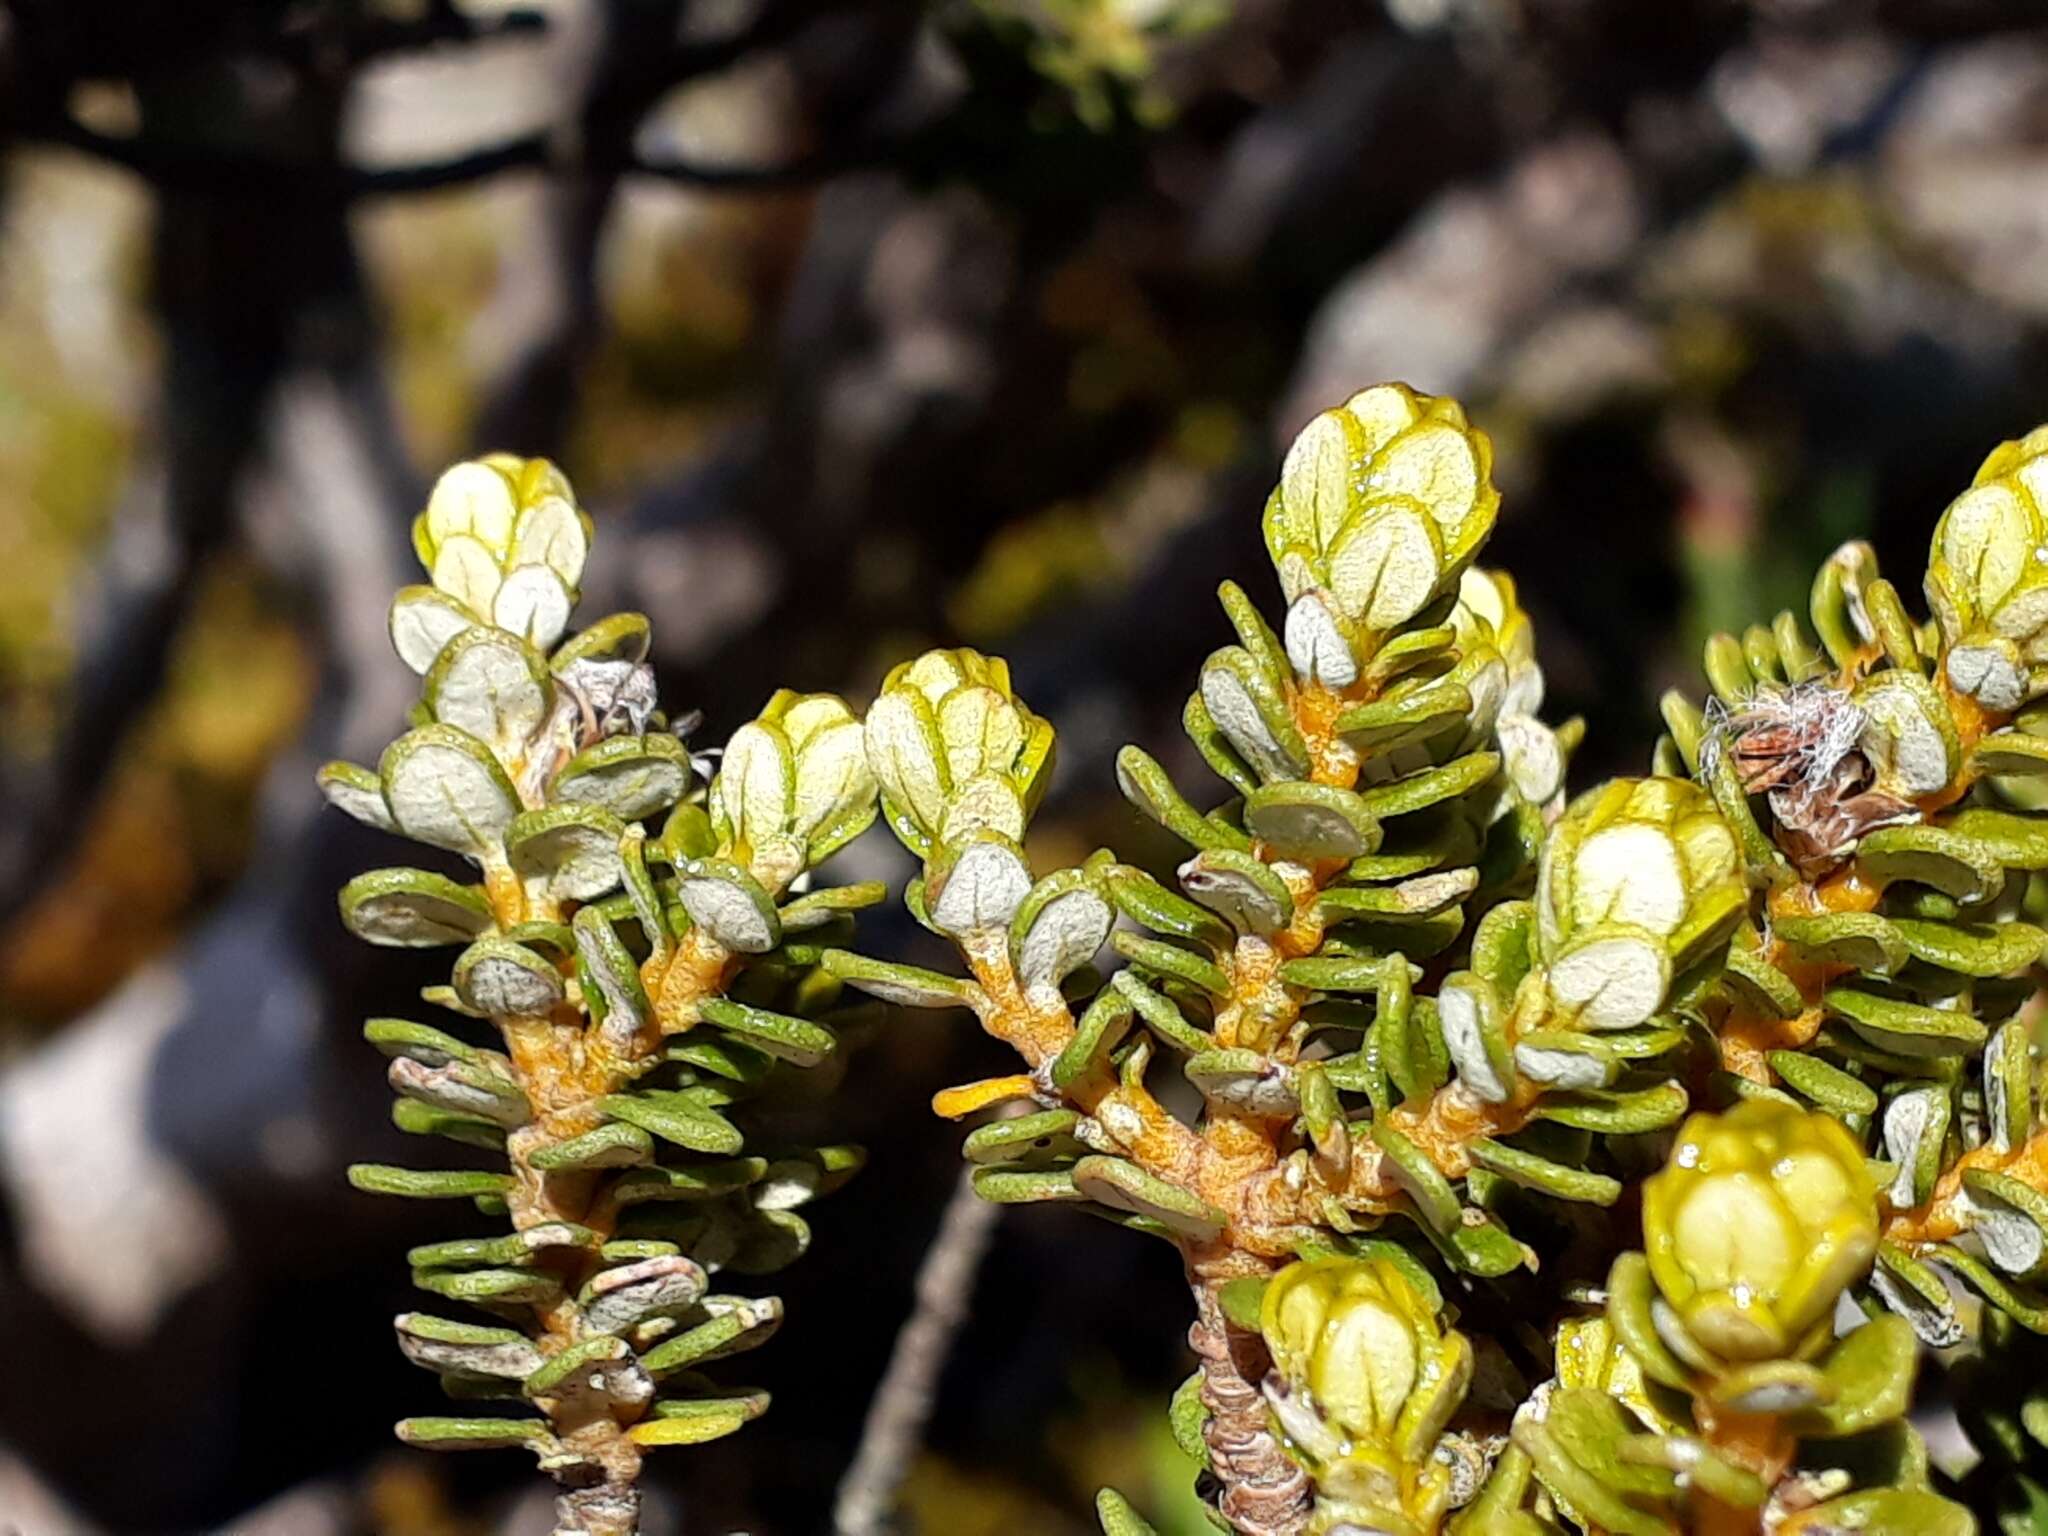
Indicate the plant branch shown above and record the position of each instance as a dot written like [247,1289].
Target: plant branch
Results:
[894,1428]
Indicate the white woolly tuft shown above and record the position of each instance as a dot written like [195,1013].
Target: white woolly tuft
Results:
[1820,719]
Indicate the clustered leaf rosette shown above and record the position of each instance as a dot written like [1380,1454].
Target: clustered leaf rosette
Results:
[1640,883]
[1740,1406]
[793,789]
[1365,1379]
[1454,1007]
[1763,1216]
[1382,503]
[961,764]
[1987,579]
[1578,1013]
[503,543]
[635,948]
[1883,792]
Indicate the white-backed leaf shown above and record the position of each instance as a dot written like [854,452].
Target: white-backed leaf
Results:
[756,788]
[468,572]
[493,686]
[730,905]
[633,777]
[1316,647]
[534,605]
[983,888]
[549,533]
[506,980]
[574,848]
[1063,936]
[472,498]
[1612,983]
[413,908]
[357,790]
[445,788]
[423,621]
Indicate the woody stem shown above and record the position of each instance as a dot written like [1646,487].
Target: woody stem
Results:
[1264,1493]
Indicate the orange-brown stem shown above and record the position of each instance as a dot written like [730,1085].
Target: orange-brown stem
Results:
[1760,1443]
[564,1066]
[1945,1213]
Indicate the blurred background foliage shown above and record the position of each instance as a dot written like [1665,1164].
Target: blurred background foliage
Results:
[861,327]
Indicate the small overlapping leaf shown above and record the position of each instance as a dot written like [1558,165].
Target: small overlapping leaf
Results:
[1988,590]
[1639,879]
[794,785]
[1759,1221]
[953,750]
[632,777]
[444,787]
[492,686]
[729,904]
[413,908]
[1311,822]
[1058,928]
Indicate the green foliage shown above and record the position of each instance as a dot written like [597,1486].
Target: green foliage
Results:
[1438,1016]
[623,951]
[1440,1020]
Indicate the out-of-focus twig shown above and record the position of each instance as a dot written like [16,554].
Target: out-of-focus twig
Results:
[620,96]
[902,1404]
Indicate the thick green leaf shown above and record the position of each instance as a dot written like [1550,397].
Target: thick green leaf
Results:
[425,1184]
[1544,1176]
[1026,1141]
[1102,1027]
[907,986]
[1147,786]
[674,1118]
[1124,1186]
[1827,1086]
[1906,1029]
[1311,822]
[609,1146]
[1419,791]
[1161,1016]
[734,1325]
[450,1434]
[1863,941]
[1160,960]
[1616,1114]
[1117,1517]
[797,1041]
[699,1181]
[632,777]
[413,908]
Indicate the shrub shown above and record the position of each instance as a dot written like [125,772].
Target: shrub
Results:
[643,993]
[1459,1260]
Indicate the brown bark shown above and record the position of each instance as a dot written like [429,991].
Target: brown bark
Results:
[609,1509]
[1264,1493]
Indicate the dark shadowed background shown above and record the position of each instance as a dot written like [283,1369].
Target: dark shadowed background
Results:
[859,327]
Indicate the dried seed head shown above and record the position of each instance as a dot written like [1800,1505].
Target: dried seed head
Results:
[1801,747]
[614,698]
